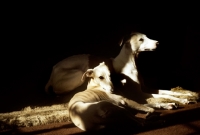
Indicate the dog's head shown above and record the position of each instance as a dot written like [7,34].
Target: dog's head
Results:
[138,42]
[100,76]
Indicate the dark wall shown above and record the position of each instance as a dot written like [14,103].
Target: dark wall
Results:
[37,36]
[42,34]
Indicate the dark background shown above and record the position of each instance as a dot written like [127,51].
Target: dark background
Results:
[35,36]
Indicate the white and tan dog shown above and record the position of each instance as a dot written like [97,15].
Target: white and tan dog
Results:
[97,107]
[125,63]
[66,75]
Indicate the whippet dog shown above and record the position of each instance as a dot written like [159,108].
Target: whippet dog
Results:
[66,74]
[96,107]
[125,63]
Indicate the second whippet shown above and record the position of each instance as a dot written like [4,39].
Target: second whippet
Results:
[125,63]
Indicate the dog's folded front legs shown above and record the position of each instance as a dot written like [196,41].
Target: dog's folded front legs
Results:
[110,114]
[168,106]
[130,103]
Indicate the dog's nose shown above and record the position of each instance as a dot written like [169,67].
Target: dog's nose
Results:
[111,90]
[157,43]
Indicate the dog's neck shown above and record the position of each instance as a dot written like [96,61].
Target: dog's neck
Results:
[93,85]
[125,63]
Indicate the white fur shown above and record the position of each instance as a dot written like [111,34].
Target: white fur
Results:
[125,63]
[66,74]
[93,108]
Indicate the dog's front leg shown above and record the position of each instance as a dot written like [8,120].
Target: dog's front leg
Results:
[171,98]
[120,100]
[134,105]
[172,93]
[168,106]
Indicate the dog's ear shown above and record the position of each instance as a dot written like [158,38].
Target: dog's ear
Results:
[88,73]
[126,38]
[102,63]
[122,41]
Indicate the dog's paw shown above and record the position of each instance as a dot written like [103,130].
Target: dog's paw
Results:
[184,101]
[150,110]
[193,102]
[170,106]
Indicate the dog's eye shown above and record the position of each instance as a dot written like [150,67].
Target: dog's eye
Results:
[141,39]
[101,77]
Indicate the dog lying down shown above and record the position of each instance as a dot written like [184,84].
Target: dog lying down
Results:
[96,107]
[66,74]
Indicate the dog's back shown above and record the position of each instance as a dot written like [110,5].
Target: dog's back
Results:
[66,74]
[84,107]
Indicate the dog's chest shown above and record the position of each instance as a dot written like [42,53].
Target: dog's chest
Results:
[131,72]
[134,76]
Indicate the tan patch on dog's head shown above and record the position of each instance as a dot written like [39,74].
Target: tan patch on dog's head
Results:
[100,76]
[139,42]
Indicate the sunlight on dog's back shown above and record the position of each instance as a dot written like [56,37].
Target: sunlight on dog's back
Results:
[82,106]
